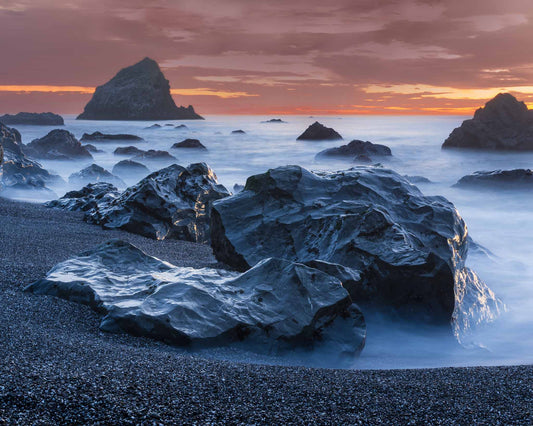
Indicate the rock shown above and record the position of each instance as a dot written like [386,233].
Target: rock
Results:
[408,249]
[417,179]
[86,198]
[129,168]
[274,120]
[154,126]
[33,118]
[237,188]
[181,126]
[58,145]
[138,92]
[189,143]
[498,179]
[319,132]
[169,125]
[92,149]
[503,124]
[174,202]
[128,151]
[357,148]
[94,173]
[102,137]
[153,154]
[238,132]
[362,158]
[276,302]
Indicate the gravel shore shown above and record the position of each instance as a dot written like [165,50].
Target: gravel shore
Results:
[56,367]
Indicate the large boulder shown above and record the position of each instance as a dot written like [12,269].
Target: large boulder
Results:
[93,174]
[319,132]
[33,118]
[58,145]
[106,137]
[277,302]
[174,202]
[129,168]
[403,249]
[138,92]
[357,148]
[498,179]
[503,124]
[86,198]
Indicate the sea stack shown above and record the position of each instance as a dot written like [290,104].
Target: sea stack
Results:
[138,92]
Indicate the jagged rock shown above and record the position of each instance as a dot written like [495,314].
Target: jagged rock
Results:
[174,202]
[408,249]
[103,137]
[128,150]
[276,302]
[86,198]
[138,92]
[181,126]
[189,143]
[319,132]
[238,132]
[58,145]
[33,118]
[129,168]
[500,179]
[154,154]
[95,173]
[356,148]
[274,120]
[92,149]
[503,124]
[154,126]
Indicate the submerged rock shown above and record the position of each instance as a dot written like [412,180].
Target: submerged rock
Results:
[86,198]
[174,202]
[408,249]
[238,132]
[103,137]
[95,173]
[138,92]
[277,302]
[129,168]
[92,149]
[128,150]
[181,126]
[33,118]
[154,126]
[154,154]
[274,120]
[498,179]
[356,148]
[503,124]
[319,132]
[189,143]
[58,145]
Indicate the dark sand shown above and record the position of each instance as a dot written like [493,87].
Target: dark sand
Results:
[56,367]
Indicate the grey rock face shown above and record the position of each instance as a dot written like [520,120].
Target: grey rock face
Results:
[174,202]
[503,124]
[356,148]
[319,132]
[138,92]
[498,179]
[154,154]
[189,143]
[129,168]
[104,137]
[33,118]
[93,174]
[57,145]
[408,249]
[128,150]
[86,198]
[275,302]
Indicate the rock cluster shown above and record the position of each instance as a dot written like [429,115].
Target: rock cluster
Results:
[58,145]
[32,118]
[319,132]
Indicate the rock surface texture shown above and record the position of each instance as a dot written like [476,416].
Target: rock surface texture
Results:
[400,248]
[356,148]
[86,198]
[58,145]
[138,92]
[319,132]
[503,124]
[129,168]
[498,179]
[93,174]
[33,118]
[276,301]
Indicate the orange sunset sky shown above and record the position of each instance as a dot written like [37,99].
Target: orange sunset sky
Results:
[272,56]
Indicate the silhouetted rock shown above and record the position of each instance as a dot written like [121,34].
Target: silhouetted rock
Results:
[93,174]
[498,179]
[128,150]
[174,202]
[274,120]
[276,302]
[92,149]
[153,154]
[355,148]
[181,126]
[33,118]
[154,126]
[237,188]
[189,143]
[129,168]
[503,124]
[86,198]
[102,137]
[319,132]
[408,249]
[138,92]
[57,145]
[238,132]
[169,125]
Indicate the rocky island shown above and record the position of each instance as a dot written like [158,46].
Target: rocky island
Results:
[33,119]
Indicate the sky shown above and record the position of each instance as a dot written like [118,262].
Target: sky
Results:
[272,57]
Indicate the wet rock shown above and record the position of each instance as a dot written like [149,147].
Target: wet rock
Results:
[58,145]
[103,137]
[174,202]
[498,179]
[92,149]
[319,132]
[153,154]
[128,151]
[86,198]
[503,124]
[95,173]
[129,168]
[32,118]
[238,132]
[189,143]
[276,302]
[408,249]
[138,92]
[357,148]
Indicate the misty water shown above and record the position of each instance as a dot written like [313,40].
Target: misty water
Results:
[498,220]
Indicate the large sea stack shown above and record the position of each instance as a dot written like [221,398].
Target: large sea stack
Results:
[138,92]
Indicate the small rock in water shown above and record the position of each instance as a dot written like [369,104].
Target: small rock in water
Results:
[102,137]
[189,143]
[95,173]
[129,168]
[319,132]
[128,150]
[238,132]
[153,154]
[57,145]
[498,179]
